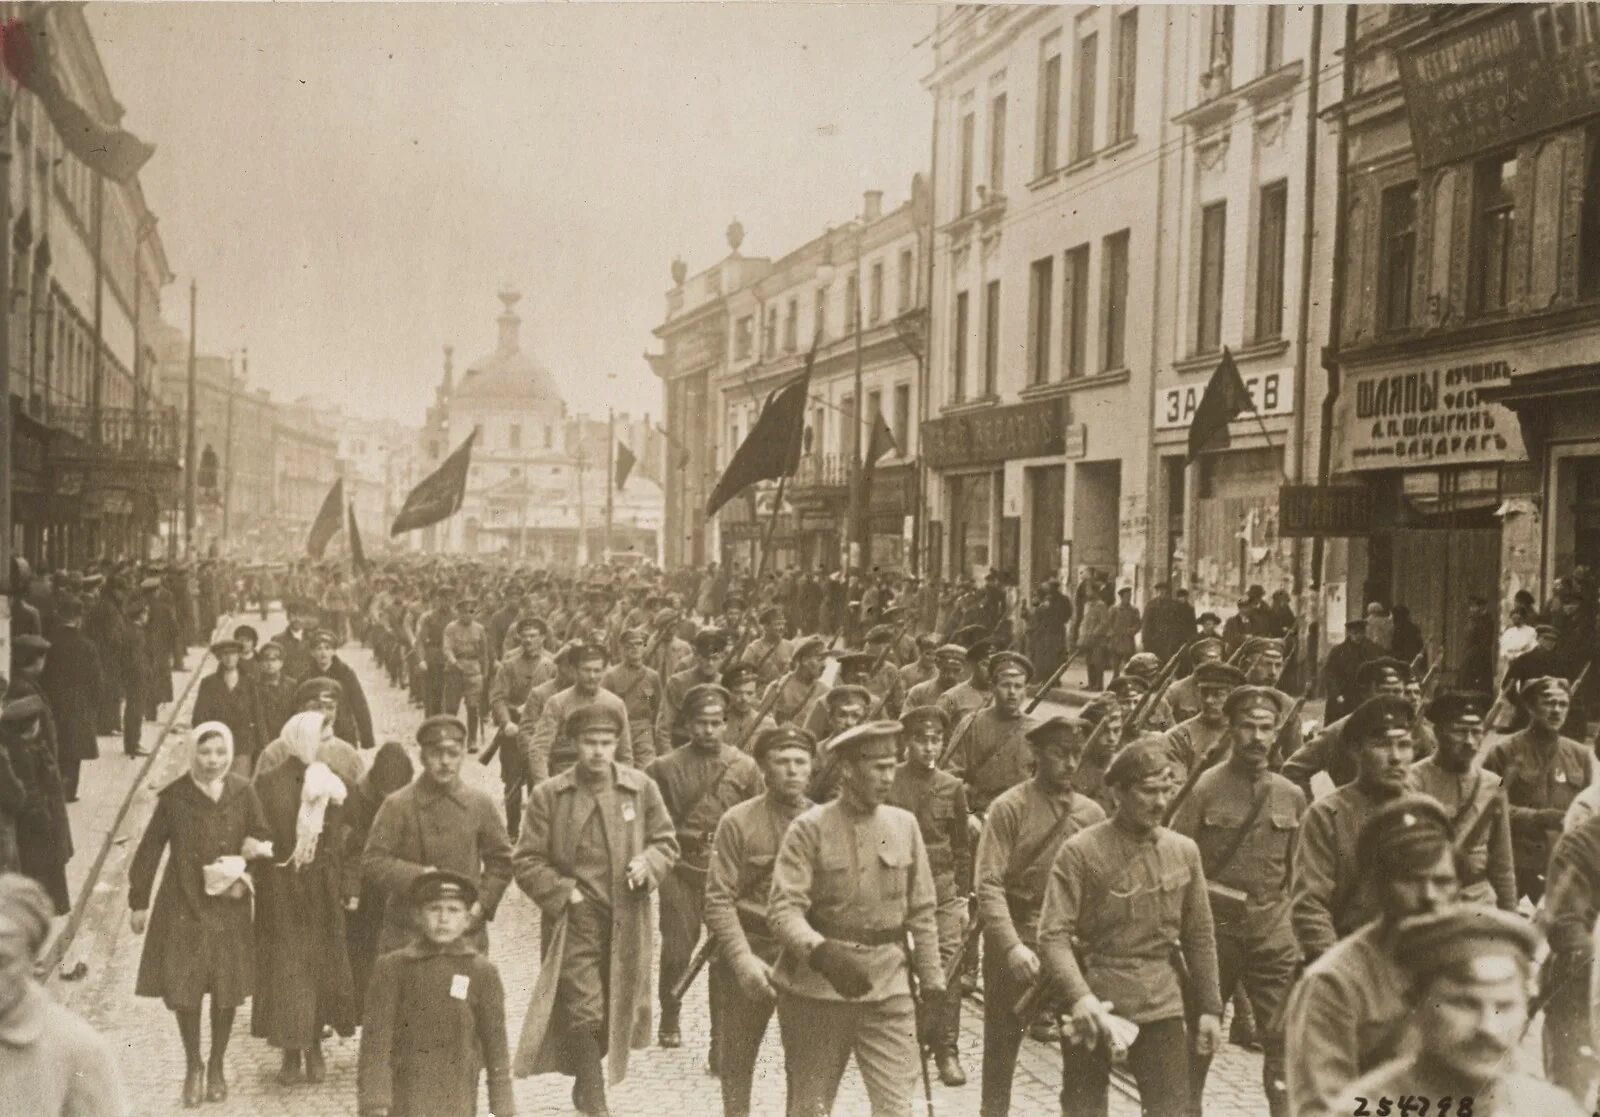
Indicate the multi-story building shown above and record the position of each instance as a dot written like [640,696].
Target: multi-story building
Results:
[1469,287]
[537,485]
[855,292]
[691,365]
[305,464]
[1050,125]
[95,451]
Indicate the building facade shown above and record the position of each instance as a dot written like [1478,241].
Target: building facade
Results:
[305,464]
[1470,283]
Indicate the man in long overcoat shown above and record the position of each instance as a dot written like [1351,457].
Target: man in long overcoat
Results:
[72,684]
[596,840]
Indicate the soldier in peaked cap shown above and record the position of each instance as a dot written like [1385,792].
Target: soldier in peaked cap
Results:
[1244,818]
[698,783]
[738,886]
[742,684]
[466,651]
[973,692]
[1330,898]
[551,746]
[842,708]
[639,687]
[1262,659]
[1474,798]
[524,668]
[989,751]
[939,802]
[800,689]
[1543,772]
[1154,958]
[1327,752]
[770,653]
[668,652]
[842,973]
[921,668]
[950,666]
[1351,1010]
[1023,831]
[710,657]
[1183,696]
[1191,741]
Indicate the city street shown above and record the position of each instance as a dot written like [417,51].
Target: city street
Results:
[669,1083]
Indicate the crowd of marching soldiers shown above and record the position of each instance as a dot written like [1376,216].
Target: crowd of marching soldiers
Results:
[855,856]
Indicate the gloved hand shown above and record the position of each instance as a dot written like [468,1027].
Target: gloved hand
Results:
[755,978]
[836,962]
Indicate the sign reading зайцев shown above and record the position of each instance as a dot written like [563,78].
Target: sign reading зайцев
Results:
[1420,417]
[1488,81]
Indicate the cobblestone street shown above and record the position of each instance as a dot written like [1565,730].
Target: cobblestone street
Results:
[659,1082]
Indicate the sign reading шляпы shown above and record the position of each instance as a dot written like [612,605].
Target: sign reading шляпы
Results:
[1497,79]
[1430,416]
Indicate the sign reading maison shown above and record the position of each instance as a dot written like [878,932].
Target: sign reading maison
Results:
[1432,416]
[1023,430]
[1525,69]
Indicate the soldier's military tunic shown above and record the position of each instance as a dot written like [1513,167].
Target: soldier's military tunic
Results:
[742,727]
[549,750]
[1328,900]
[887,690]
[1183,698]
[1348,1013]
[939,802]
[795,698]
[1255,941]
[667,659]
[1135,903]
[640,691]
[737,889]
[1541,779]
[925,693]
[770,658]
[467,646]
[961,700]
[913,675]
[516,676]
[1190,742]
[860,878]
[670,730]
[1488,871]
[1023,831]
[698,785]
[991,754]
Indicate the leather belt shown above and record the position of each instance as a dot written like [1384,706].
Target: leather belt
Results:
[861,936]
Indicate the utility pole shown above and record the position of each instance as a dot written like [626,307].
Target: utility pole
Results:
[583,527]
[227,447]
[611,473]
[189,439]
[856,560]
[5,380]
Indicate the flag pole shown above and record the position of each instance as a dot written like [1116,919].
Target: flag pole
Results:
[1267,438]
[772,527]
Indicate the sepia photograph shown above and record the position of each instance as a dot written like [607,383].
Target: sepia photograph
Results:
[665,558]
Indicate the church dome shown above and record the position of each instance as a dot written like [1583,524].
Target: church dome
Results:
[508,377]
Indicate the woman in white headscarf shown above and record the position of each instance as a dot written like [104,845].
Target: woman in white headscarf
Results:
[200,939]
[302,969]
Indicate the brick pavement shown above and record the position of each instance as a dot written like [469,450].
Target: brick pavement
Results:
[660,1082]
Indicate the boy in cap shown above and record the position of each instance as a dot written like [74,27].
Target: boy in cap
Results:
[1474,798]
[738,887]
[435,1015]
[989,752]
[639,687]
[939,802]
[850,883]
[1244,819]
[1129,897]
[1022,832]
[698,784]
[1351,1010]
[1543,773]
[438,821]
[1330,898]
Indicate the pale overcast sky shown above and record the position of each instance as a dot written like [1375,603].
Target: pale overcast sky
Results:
[351,184]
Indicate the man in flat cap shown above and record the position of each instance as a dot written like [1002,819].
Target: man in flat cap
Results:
[1191,741]
[1340,683]
[1244,818]
[596,840]
[1330,898]
[698,783]
[1351,1009]
[710,657]
[939,802]
[639,687]
[1128,897]
[438,821]
[989,751]
[950,667]
[1474,798]
[1543,771]
[1327,751]
[550,748]
[1469,967]
[1023,831]
[851,882]
[738,887]
[742,682]
[1183,696]
[802,687]
[770,654]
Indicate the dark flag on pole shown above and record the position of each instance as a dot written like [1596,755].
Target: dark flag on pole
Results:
[625,460]
[329,520]
[29,49]
[438,496]
[882,440]
[358,553]
[683,453]
[1225,399]
[772,448]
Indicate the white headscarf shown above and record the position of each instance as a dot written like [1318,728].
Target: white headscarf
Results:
[303,735]
[212,788]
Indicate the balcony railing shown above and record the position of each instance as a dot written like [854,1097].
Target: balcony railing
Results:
[822,471]
[151,434]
